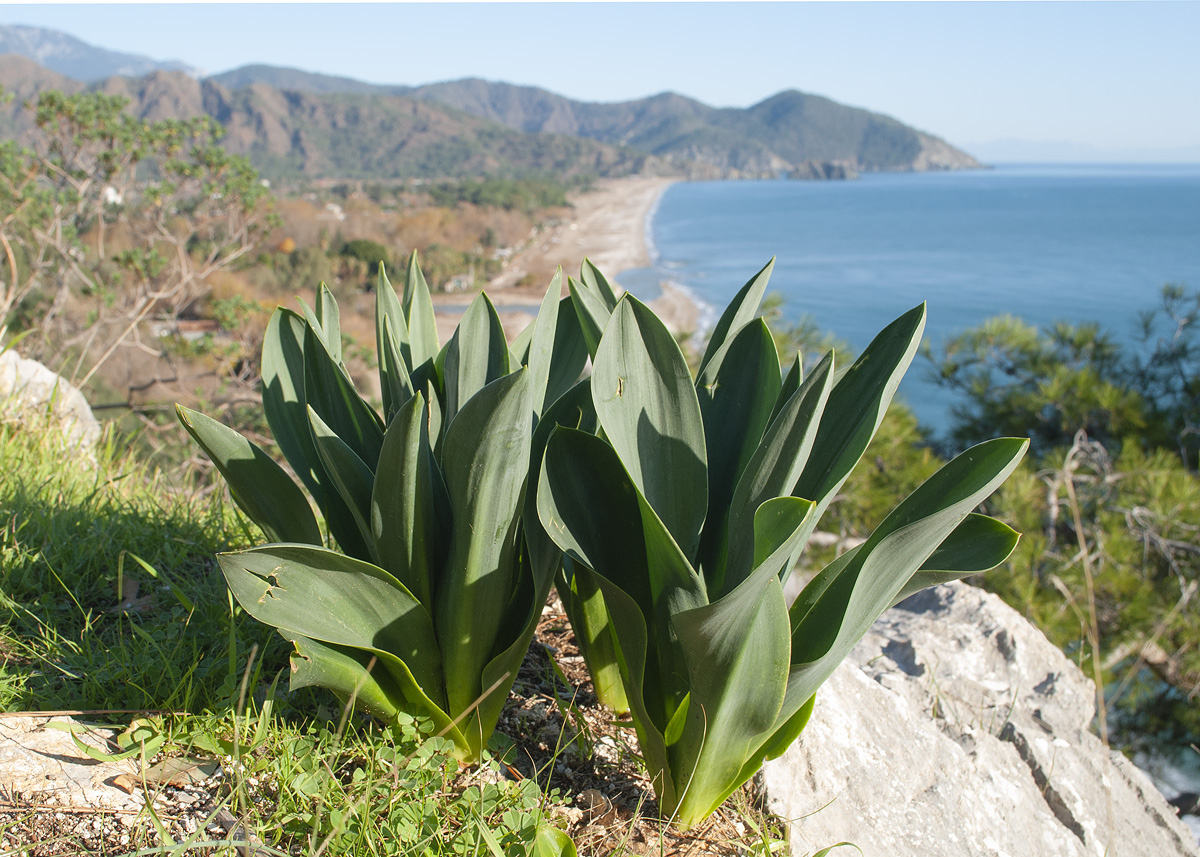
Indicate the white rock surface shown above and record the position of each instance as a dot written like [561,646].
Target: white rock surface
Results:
[43,766]
[32,393]
[956,729]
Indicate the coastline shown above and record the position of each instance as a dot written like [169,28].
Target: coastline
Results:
[609,225]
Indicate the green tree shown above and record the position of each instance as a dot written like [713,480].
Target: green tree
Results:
[125,216]
[1051,384]
[1109,565]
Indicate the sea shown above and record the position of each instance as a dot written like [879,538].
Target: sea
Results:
[1039,241]
[1044,242]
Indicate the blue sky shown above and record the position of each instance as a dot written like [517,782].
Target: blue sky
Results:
[1116,76]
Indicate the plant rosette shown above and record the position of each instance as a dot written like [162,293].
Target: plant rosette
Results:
[682,516]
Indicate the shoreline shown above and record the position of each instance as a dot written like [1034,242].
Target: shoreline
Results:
[609,225]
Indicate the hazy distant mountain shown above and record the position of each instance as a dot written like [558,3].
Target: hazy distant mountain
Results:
[76,59]
[289,134]
[1032,151]
[294,122]
[300,81]
[781,133]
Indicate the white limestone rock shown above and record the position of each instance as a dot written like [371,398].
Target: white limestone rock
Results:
[956,729]
[33,394]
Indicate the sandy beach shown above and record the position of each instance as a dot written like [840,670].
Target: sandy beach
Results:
[607,225]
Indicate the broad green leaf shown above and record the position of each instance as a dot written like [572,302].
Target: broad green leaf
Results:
[570,353]
[593,309]
[418,312]
[736,407]
[856,407]
[476,355]
[737,652]
[519,348]
[791,383]
[588,506]
[978,544]
[737,655]
[485,462]
[520,621]
[631,645]
[773,468]
[330,321]
[260,487]
[648,408]
[782,738]
[352,479]
[329,392]
[541,346]
[284,400]
[741,311]
[584,605]
[391,346]
[585,497]
[869,582]
[549,841]
[396,384]
[339,600]
[597,282]
[344,671]
[403,526]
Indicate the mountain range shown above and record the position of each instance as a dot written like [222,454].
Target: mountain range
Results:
[292,123]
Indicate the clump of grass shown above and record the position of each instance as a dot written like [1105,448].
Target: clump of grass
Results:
[107,575]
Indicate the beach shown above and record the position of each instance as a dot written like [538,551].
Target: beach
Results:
[606,224]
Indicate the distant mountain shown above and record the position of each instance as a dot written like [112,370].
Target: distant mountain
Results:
[782,133]
[293,122]
[295,80]
[76,59]
[290,134]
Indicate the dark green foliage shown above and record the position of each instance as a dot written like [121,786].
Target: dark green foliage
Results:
[1067,378]
[1115,431]
[86,625]
[370,252]
[526,195]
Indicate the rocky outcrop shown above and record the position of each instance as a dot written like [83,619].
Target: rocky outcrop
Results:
[32,394]
[823,171]
[937,154]
[956,729]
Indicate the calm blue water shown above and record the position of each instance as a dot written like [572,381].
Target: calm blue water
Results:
[1079,243]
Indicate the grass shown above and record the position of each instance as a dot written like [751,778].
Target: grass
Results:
[111,605]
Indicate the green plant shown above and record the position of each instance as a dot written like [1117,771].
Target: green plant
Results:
[691,507]
[431,604]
